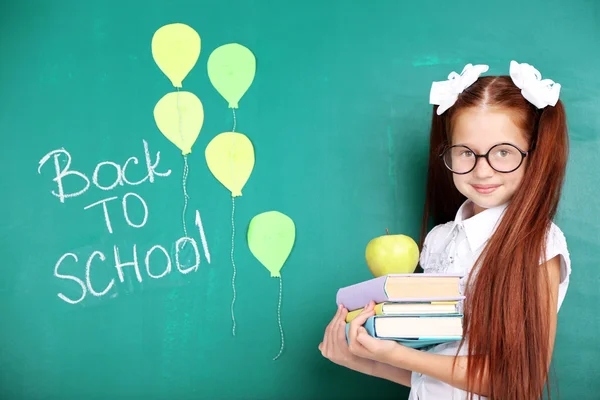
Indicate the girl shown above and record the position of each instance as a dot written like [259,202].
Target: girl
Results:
[498,153]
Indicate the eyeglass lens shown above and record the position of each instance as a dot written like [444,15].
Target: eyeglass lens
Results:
[502,158]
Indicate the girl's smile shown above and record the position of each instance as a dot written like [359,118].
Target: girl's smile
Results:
[485,189]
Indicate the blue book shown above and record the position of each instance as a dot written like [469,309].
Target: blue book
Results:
[415,331]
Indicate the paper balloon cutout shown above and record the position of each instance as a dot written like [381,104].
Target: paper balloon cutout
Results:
[231,70]
[180,116]
[230,158]
[176,48]
[271,236]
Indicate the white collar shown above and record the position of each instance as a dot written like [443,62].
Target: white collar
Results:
[478,228]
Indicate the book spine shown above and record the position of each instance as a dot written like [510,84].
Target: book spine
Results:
[422,315]
[358,295]
[429,299]
[370,326]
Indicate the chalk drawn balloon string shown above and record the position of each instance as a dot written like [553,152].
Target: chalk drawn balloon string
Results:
[233,228]
[233,262]
[279,319]
[234,120]
[185,169]
[185,194]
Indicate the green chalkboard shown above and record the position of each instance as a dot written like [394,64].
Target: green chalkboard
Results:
[338,117]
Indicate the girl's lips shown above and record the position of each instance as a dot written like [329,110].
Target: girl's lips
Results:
[485,189]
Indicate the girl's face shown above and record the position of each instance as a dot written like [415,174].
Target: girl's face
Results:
[480,129]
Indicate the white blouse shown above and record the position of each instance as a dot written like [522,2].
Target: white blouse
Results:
[453,248]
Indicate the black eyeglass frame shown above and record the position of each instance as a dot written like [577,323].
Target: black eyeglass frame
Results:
[486,156]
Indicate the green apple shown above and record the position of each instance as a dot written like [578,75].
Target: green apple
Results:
[392,254]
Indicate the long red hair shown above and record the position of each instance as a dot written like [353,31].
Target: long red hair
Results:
[505,318]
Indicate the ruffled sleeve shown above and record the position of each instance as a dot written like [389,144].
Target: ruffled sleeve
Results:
[556,245]
[429,245]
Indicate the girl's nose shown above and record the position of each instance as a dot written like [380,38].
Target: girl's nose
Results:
[483,169]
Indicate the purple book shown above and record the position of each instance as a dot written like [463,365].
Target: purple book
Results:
[356,296]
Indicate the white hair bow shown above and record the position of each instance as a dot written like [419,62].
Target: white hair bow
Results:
[538,92]
[445,93]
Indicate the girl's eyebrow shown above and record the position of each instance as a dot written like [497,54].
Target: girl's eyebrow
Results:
[464,144]
[489,147]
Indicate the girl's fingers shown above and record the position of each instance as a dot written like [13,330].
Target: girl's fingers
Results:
[363,316]
[329,330]
[359,320]
[336,317]
[343,316]
[329,326]
[369,306]
[340,332]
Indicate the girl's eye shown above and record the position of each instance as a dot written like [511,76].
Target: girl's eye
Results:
[467,153]
[503,153]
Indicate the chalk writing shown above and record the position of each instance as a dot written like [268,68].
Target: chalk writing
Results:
[123,261]
[66,171]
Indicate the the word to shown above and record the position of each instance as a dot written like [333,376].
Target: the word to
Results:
[125,213]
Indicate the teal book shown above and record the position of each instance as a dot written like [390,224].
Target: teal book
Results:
[415,331]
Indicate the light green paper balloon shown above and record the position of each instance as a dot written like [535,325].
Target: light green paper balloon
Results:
[231,70]
[271,236]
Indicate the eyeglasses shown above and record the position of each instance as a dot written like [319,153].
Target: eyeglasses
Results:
[503,157]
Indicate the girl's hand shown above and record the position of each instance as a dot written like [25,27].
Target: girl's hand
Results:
[335,346]
[364,345]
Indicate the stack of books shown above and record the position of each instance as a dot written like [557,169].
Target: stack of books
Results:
[417,310]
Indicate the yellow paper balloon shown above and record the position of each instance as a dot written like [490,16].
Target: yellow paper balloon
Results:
[176,48]
[180,116]
[230,158]
[231,70]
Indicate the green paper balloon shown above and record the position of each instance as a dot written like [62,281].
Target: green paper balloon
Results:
[271,236]
[231,70]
